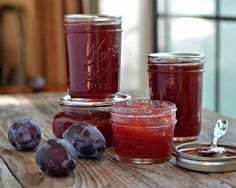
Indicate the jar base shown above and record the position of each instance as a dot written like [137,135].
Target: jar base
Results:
[184,139]
[67,100]
[141,160]
[95,97]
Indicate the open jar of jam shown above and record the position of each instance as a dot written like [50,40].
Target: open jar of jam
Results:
[143,130]
[78,110]
[93,48]
[177,77]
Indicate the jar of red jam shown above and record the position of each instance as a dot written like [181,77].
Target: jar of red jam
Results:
[95,113]
[143,130]
[177,77]
[93,48]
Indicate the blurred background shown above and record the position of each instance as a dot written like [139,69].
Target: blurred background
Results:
[32,52]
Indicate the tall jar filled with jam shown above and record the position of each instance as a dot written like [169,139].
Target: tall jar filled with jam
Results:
[93,48]
[93,51]
[178,77]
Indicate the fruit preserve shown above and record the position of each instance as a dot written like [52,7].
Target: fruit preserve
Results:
[76,110]
[98,116]
[93,47]
[177,78]
[143,130]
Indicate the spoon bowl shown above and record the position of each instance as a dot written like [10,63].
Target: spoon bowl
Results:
[221,128]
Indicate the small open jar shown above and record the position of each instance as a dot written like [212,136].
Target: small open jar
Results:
[95,113]
[93,48]
[143,130]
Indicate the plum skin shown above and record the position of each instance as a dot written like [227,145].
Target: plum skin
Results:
[24,135]
[87,140]
[56,158]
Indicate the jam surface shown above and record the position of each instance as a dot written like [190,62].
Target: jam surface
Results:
[228,153]
[93,59]
[141,131]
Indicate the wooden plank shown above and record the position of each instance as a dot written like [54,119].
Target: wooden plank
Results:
[106,172]
[23,163]
[111,172]
[7,180]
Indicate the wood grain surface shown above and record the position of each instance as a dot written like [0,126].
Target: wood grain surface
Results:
[18,169]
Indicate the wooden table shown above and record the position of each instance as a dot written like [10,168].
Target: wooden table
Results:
[18,169]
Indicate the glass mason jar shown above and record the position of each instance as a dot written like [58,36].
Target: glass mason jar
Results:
[93,48]
[177,77]
[143,130]
[98,116]
[95,113]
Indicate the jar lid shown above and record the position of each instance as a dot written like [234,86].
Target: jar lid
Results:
[176,59]
[177,56]
[188,157]
[84,102]
[92,18]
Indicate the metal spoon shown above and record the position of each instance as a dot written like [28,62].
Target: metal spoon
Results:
[219,131]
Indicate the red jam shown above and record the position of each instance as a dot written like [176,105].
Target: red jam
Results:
[143,130]
[178,78]
[93,46]
[98,116]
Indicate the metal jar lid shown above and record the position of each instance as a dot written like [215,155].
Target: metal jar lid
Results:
[188,157]
[88,18]
[86,102]
[175,57]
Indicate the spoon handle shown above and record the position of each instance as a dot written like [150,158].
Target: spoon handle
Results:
[219,131]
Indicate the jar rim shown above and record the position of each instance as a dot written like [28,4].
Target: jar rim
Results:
[186,59]
[178,55]
[153,108]
[92,18]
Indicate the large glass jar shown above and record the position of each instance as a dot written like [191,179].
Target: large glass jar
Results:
[143,130]
[93,48]
[177,77]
